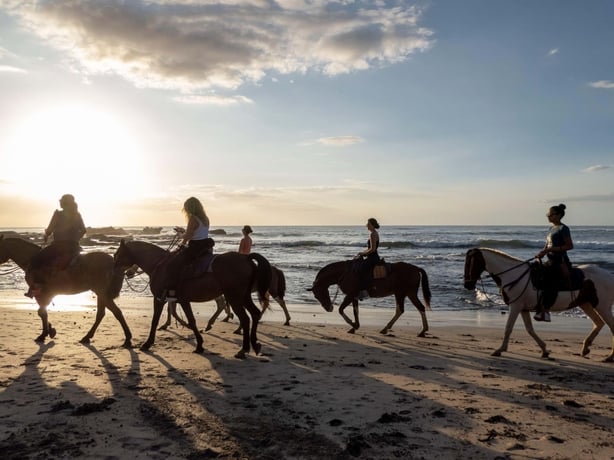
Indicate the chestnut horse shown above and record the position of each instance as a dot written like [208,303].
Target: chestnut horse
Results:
[513,278]
[231,274]
[92,271]
[403,280]
[277,290]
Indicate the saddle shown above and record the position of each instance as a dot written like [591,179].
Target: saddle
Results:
[543,278]
[199,267]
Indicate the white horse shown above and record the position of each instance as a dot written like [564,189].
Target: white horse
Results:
[513,278]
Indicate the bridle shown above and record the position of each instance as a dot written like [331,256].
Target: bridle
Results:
[511,284]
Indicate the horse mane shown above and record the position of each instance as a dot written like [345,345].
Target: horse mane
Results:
[501,253]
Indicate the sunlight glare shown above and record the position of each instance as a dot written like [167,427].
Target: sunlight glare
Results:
[75,149]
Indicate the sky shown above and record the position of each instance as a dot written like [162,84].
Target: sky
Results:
[307,112]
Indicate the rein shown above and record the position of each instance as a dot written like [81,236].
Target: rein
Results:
[513,283]
[139,272]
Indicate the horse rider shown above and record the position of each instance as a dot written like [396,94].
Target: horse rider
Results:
[67,228]
[558,266]
[368,259]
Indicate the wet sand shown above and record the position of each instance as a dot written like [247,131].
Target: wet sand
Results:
[315,392]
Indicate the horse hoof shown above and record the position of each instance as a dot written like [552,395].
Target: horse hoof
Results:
[208,328]
[237,331]
[40,339]
[384,331]
[585,352]
[257,348]
[496,353]
[352,331]
[127,344]
[240,355]
[163,327]
[85,340]
[422,334]
[609,359]
[145,347]
[52,332]
[199,350]
[287,323]
[546,354]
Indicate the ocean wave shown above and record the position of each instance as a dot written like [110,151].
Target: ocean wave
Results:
[512,244]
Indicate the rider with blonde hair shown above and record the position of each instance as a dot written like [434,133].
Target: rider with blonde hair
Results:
[196,236]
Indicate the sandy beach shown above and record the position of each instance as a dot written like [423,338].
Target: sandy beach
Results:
[315,392]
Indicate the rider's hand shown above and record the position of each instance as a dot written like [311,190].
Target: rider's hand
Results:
[541,254]
[179,229]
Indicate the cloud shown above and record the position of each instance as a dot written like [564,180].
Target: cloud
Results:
[188,45]
[592,169]
[11,69]
[602,84]
[599,198]
[213,100]
[340,141]
[553,51]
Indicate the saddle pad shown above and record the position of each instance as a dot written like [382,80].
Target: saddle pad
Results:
[379,271]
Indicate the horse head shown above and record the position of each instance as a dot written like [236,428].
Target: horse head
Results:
[474,266]
[320,292]
[122,259]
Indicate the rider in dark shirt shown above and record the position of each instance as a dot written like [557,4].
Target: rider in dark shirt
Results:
[558,266]
[369,257]
[67,228]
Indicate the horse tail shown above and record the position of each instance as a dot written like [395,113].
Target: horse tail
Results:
[263,275]
[117,281]
[426,290]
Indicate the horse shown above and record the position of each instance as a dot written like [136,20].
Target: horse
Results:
[513,277]
[403,280]
[277,290]
[231,274]
[92,271]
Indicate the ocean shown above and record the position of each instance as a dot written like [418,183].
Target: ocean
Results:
[300,251]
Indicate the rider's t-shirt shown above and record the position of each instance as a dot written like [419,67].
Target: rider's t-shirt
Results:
[556,237]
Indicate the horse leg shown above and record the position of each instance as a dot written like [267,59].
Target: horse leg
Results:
[422,310]
[281,302]
[221,306]
[189,314]
[227,310]
[604,312]
[597,325]
[241,313]
[256,315]
[528,325]
[355,325]
[158,306]
[48,330]
[164,327]
[100,312]
[509,327]
[111,305]
[400,301]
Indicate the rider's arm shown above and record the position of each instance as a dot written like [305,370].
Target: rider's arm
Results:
[189,232]
[51,227]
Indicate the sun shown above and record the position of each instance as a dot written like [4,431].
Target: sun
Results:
[75,149]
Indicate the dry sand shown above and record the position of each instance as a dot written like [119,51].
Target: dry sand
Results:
[316,392]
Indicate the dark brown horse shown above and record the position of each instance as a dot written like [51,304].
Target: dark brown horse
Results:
[92,271]
[402,281]
[231,274]
[277,290]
